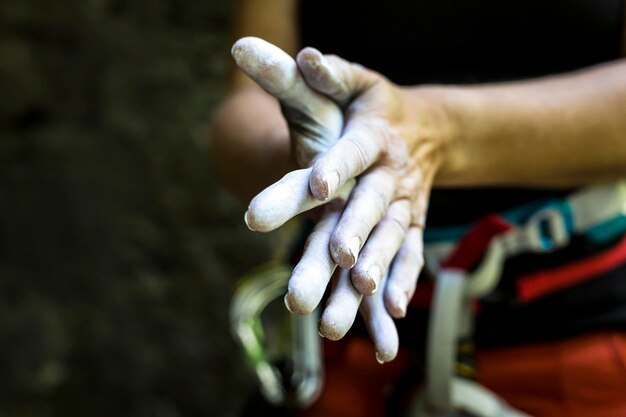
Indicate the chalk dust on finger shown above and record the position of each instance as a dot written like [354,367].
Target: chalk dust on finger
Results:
[341,308]
[312,274]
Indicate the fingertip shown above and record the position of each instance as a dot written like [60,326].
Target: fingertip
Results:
[243,46]
[365,281]
[325,179]
[319,189]
[307,284]
[396,303]
[330,329]
[382,328]
[288,303]
[337,318]
[298,304]
[309,56]
[383,357]
[323,184]
[387,345]
[253,221]
[345,254]
[236,49]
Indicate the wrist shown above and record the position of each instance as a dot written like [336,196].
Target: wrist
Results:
[438,116]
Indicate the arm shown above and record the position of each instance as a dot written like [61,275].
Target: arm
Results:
[559,131]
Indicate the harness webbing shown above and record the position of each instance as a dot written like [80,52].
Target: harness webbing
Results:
[532,286]
[471,269]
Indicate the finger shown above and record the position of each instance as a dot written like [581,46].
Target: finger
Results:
[360,146]
[311,275]
[404,272]
[381,247]
[284,200]
[276,72]
[410,258]
[314,120]
[381,327]
[334,76]
[367,206]
[341,309]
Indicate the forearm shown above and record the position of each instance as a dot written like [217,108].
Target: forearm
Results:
[558,131]
[250,142]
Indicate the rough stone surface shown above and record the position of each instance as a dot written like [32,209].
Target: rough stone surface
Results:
[118,251]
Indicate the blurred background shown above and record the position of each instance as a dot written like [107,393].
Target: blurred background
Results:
[118,250]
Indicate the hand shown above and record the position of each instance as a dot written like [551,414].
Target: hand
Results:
[393,139]
[383,140]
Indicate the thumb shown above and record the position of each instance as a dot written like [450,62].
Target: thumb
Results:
[334,76]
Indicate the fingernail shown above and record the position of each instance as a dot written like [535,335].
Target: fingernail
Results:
[374,275]
[319,331]
[245,219]
[353,248]
[331,182]
[286,300]
[379,358]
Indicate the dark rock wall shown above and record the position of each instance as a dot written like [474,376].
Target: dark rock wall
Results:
[118,251]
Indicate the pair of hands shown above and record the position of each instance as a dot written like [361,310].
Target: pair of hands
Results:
[368,152]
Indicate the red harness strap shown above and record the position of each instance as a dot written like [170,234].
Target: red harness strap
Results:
[466,255]
[471,249]
[538,284]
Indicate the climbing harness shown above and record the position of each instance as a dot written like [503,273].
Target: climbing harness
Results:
[471,269]
[468,262]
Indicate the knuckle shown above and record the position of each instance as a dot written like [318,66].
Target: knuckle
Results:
[373,200]
[380,200]
[398,222]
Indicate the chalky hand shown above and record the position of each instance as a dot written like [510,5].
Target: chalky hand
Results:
[378,222]
[391,143]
